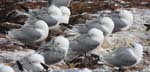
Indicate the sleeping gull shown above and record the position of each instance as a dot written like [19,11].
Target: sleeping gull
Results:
[86,42]
[33,62]
[31,33]
[52,15]
[55,15]
[104,24]
[55,51]
[5,68]
[123,19]
[125,57]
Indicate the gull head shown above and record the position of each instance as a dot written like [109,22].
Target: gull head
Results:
[138,49]
[42,27]
[65,14]
[106,21]
[35,58]
[54,12]
[61,42]
[40,24]
[125,14]
[86,70]
[33,62]
[65,10]
[6,68]
[96,34]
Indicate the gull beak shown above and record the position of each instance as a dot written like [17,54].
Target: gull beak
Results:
[131,45]
[52,44]
[115,13]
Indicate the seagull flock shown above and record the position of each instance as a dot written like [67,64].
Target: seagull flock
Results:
[92,35]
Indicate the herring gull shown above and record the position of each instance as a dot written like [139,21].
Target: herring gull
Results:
[31,33]
[125,57]
[54,51]
[123,19]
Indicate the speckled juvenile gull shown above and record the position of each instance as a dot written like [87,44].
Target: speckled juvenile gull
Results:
[55,51]
[60,2]
[5,68]
[31,33]
[104,24]
[33,62]
[86,42]
[125,57]
[123,19]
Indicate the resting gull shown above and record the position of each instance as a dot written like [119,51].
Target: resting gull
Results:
[33,62]
[54,51]
[85,43]
[123,19]
[35,31]
[105,24]
[52,14]
[125,57]
[5,68]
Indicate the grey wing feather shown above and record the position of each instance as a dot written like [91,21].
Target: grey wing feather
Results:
[27,35]
[82,28]
[85,28]
[123,58]
[98,26]
[85,44]
[118,24]
[49,20]
[53,55]
[61,2]
[73,45]
[88,44]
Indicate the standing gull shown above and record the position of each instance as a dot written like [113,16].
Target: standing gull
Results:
[55,51]
[123,19]
[125,57]
[5,68]
[33,32]
[105,24]
[86,42]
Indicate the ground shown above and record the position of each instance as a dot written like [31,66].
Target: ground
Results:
[81,12]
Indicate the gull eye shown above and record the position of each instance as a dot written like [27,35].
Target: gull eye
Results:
[90,35]
[57,43]
[117,12]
